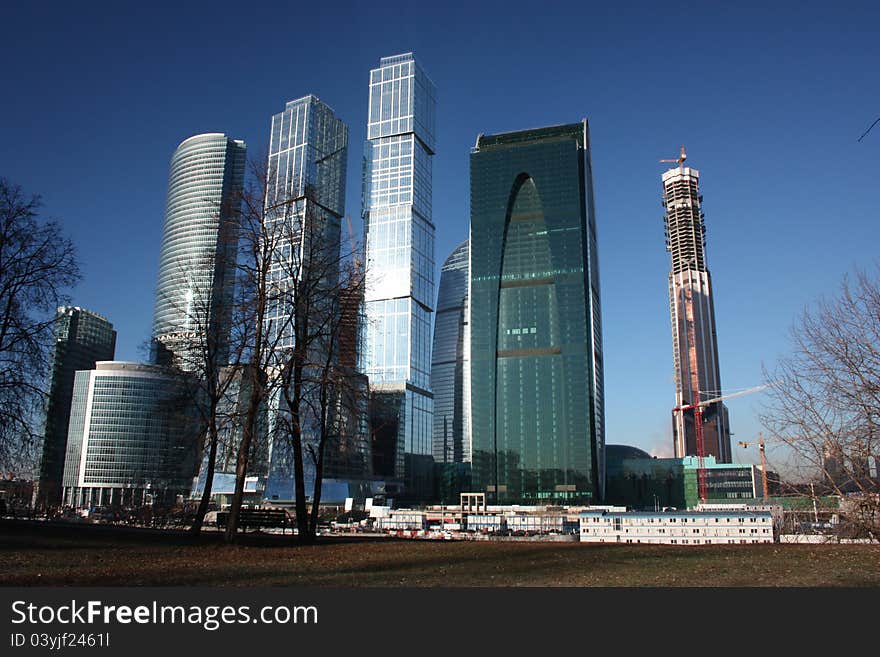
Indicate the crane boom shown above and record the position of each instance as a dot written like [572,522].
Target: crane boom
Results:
[748,391]
[357,264]
[681,158]
[697,408]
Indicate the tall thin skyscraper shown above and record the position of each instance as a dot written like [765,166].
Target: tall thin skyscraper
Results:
[535,322]
[196,266]
[400,271]
[82,338]
[694,341]
[449,363]
[305,196]
[308,151]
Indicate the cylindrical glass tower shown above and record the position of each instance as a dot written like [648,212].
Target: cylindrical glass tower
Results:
[194,291]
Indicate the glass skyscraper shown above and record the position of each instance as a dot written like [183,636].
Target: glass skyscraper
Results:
[197,263]
[82,338]
[399,296]
[308,150]
[305,191]
[449,362]
[535,322]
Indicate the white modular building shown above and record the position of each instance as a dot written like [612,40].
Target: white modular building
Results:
[677,528]
[482,522]
[535,524]
[402,520]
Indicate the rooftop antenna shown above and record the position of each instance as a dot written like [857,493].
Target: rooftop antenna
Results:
[680,160]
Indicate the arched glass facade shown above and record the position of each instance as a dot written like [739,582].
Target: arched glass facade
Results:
[449,363]
[196,266]
[536,351]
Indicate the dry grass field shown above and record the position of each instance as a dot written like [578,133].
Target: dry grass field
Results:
[31,554]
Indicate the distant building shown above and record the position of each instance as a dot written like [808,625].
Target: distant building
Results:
[399,235]
[132,437]
[694,339]
[724,481]
[82,338]
[450,371]
[351,305]
[197,262]
[16,496]
[639,481]
[536,394]
[677,528]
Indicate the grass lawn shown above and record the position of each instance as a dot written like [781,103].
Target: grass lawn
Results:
[41,554]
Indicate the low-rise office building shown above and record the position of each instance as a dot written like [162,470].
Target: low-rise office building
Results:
[132,437]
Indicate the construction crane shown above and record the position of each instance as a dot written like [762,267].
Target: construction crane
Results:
[760,444]
[357,264]
[697,408]
[681,158]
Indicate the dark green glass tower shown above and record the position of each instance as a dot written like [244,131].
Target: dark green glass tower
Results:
[536,337]
[82,338]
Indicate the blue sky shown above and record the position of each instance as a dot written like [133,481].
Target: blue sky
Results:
[768,98]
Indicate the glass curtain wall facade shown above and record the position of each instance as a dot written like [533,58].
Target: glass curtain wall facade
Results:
[449,363]
[197,263]
[82,338]
[308,151]
[132,437]
[305,203]
[535,323]
[399,298]
[692,313]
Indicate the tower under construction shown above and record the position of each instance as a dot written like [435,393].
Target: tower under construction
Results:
[692,310]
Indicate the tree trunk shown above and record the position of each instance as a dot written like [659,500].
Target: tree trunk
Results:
[209,475]
[293,403]
[241,466]
[319,459]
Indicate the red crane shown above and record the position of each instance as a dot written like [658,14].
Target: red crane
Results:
[697,408]
[353,244]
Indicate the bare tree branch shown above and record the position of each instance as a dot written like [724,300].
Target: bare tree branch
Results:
[37,265]
[824,401]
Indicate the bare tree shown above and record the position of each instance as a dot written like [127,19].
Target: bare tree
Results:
[291,320]
[37,264]
[257,328]
[322,393]
[824,400]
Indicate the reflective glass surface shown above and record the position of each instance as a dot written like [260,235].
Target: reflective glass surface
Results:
[128,429]
[400,259]
[449,366]
[536,377]
[196,266]
[81,339]
[308,150]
